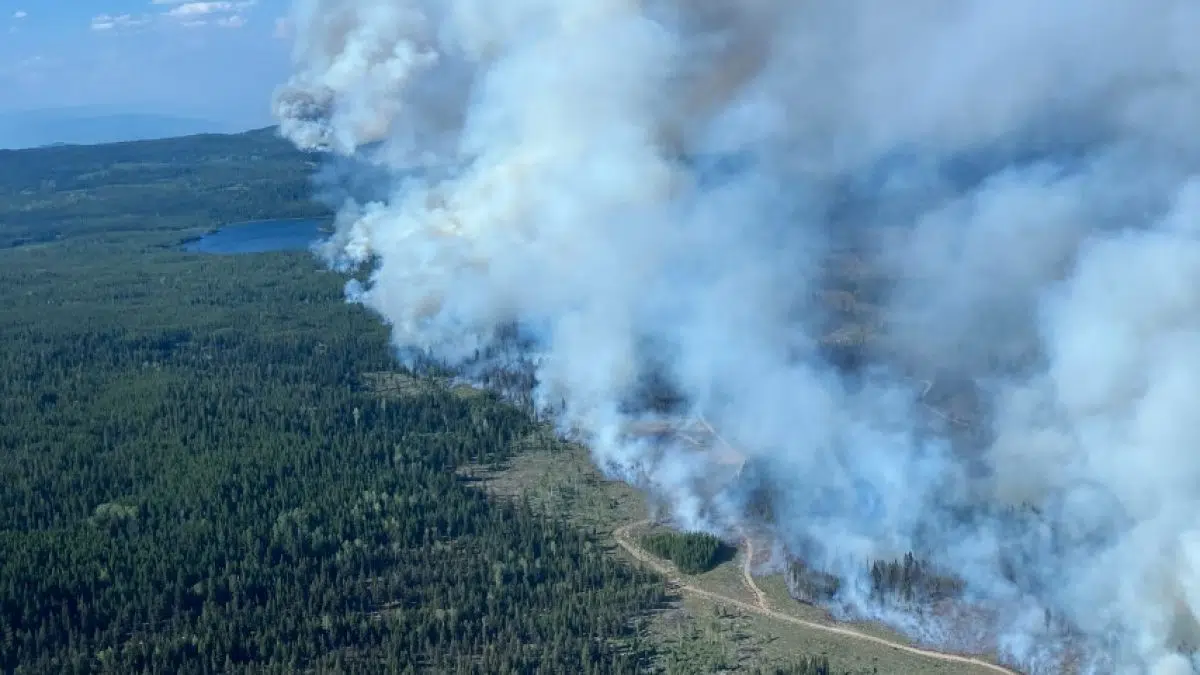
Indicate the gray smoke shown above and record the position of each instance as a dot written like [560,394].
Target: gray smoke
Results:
[668,193]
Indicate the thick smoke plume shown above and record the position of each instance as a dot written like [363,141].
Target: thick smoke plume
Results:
[810,225]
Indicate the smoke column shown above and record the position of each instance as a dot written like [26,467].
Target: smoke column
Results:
[661,193]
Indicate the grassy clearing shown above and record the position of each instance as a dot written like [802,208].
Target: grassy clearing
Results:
[559,480]
[699,634]
[775,588]
[400,385]
[694,634]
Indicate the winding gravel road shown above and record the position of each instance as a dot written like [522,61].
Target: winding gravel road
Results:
[763,608]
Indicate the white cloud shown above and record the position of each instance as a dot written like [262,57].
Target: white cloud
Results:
[225,13]
[20,14]
[186,13]
[192,9]
[109,22]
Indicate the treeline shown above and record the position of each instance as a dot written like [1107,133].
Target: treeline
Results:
[906,581]
[911,581]
[692,552]
[810,585]
[815,665]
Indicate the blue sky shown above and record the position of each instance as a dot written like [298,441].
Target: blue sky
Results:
[217,60]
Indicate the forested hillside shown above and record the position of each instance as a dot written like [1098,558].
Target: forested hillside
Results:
[161,185]
[193,479]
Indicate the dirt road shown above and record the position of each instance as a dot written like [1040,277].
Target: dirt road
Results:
[747,559]
[623,539]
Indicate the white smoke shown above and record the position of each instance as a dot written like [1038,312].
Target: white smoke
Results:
[1019,174]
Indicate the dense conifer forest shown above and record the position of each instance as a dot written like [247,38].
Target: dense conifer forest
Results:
[194,480]
[692,552]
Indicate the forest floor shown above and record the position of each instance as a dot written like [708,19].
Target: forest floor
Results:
[733,618]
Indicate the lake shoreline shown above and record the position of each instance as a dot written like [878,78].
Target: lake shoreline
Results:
[267,235]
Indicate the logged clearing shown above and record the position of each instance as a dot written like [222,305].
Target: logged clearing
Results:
[728,619]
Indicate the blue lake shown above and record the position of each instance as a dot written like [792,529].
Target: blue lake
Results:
[262,236]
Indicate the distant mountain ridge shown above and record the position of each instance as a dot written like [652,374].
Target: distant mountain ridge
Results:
[90,125]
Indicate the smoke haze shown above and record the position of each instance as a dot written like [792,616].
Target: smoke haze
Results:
[664,195]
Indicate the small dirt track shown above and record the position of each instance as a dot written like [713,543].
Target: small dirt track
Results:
[747,559]
[623,539]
